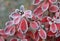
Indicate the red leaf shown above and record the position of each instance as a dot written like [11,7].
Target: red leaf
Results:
[19,34]
[58,26]
[14,16]
[9,23]
[53,28]
[44,19]
[16,20]
[36,2]
[1,39]
[38,10]
[58,39]
[50,34]
[47,25]
[29,33]
[23,25]
[45,6]
[42,34]
[34,17]
[49,19]
[34,25]
[28,38]
[10,30]
[53,8]
[52,1]
[2,33]
[28,14]
[40,39]
[57,14]
[36,36]
[40,16]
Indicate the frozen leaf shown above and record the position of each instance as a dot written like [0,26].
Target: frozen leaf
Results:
[9,23]
[47,26]
[50,34]
[57,14]
[44,19]
[31,34]
[34,17]
[53,8]
[45,6]
[10,30]
[1,39]
[42,34]
[38,10]
[36,2]
[34,25]
[53,28]
[52,1]
[23,25]
[49,19]
[36,36]
[19,34]
[28,14]
[14,16]
[2,32]
[17,20]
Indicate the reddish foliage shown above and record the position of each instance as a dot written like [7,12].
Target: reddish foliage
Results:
[26,25]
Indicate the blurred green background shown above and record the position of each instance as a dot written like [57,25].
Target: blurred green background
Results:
[8,6]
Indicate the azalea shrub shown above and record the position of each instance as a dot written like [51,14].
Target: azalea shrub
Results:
[41,24]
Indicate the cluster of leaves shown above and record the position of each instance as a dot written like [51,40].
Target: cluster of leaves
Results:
[25,25]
